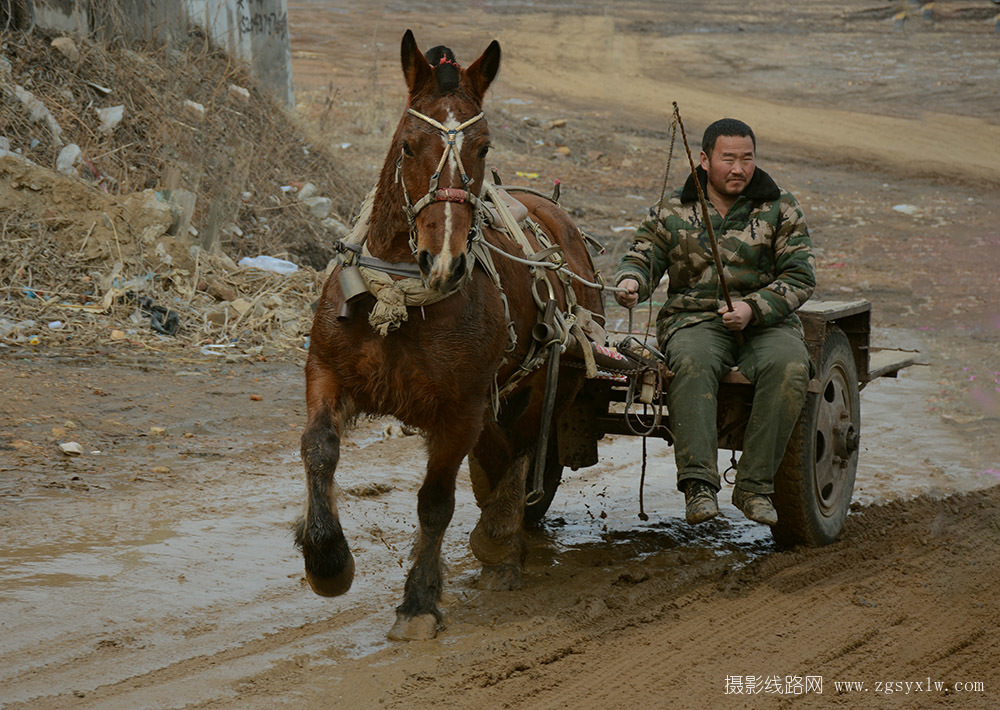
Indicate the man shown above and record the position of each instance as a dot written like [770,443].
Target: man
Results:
[769,269]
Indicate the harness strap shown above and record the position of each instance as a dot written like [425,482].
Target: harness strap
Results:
[365,260]
[445,194]
[450,134]
[510,224]
[483,257]
[433,194]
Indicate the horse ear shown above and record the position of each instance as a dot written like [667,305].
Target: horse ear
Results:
[416,70]
[484,70]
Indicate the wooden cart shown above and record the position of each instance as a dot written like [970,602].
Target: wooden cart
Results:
[815,481]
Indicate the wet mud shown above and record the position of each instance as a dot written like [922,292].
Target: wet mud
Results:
[158,568]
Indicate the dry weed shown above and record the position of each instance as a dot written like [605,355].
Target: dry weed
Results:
[60,261]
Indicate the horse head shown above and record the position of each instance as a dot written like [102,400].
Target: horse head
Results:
[441,145]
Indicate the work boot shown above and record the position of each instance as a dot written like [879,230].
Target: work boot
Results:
[756,506]
[700,502]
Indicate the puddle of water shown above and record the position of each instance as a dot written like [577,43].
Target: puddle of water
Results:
[189,582]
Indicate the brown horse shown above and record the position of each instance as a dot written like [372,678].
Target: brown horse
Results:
[438,369]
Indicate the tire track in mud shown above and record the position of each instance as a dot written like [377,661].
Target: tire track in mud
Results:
[658,614]
[194,678]
[665,630]
[867,608]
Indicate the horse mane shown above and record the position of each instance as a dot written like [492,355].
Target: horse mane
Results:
[446,69]
[387,218]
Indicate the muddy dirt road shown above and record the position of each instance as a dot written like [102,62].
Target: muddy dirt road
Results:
[157,569]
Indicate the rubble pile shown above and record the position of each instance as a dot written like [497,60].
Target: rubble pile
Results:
[132,181]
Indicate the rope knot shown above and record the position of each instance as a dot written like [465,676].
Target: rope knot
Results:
[389,312]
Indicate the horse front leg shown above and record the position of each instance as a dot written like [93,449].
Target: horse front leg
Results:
[418,617]
[328,561]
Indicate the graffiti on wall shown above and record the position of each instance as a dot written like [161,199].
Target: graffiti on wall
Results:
[255,20]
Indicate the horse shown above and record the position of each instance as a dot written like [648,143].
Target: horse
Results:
[437,367]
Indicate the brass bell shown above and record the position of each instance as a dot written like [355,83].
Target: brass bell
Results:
[352,286]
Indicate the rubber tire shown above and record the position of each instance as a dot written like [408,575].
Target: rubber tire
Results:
[805,514]
[533,514]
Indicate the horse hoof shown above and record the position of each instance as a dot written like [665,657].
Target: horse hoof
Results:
[500,578]
[333,586]
[414,628]
[486,549]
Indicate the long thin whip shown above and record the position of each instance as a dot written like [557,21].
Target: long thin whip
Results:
[704,212]
[659,205]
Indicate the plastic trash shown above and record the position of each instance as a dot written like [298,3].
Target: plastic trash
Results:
[319,207]
[161,320]
[67,159]
[269,263]
[71,448]
[110,117]
[8,327]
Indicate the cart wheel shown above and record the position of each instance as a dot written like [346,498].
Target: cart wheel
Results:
[533,514]
[814,484]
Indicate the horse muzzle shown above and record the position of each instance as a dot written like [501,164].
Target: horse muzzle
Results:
[441,276]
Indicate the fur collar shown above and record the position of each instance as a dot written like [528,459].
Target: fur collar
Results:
[761,187]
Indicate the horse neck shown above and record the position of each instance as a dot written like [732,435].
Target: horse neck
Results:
[389,234]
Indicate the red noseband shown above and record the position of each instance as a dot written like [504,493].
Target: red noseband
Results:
[451,194]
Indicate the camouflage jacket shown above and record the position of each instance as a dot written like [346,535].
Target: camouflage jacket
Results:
[763,242]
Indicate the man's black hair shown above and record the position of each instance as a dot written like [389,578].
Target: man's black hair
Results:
[725,127]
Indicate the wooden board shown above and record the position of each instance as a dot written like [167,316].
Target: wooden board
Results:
[886,363]
[831,310]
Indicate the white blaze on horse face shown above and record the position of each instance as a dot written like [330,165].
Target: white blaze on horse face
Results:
[442,265]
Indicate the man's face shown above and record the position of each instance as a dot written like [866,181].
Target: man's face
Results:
[730,166]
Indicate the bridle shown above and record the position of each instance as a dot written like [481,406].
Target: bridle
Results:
[444,194]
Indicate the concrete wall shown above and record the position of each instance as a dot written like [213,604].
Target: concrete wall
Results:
[253,30]
[61,15]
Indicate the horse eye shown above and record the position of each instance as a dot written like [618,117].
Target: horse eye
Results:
[407,149]
[483,151]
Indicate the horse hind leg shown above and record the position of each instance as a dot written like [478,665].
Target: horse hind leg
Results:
[418,617]
[497,540]
[328,561]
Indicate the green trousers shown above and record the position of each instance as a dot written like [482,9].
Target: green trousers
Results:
[774,358]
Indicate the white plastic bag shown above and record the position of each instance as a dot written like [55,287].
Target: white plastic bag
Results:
[269,263]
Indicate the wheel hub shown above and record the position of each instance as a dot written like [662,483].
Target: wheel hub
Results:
[846,439]
[837,440]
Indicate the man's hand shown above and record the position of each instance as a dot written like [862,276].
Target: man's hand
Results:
[738,318]
[630,299]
